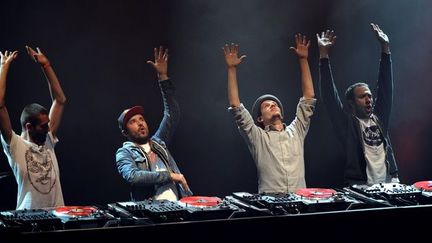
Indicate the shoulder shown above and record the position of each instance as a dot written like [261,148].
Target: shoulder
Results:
[158,142]
[128,149]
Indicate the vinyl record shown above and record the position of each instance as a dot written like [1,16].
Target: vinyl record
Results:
[424,185]
[315,193]
[200,201]
[75,211]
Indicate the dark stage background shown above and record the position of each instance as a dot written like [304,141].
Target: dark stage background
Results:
[99,51]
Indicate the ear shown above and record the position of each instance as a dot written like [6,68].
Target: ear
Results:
[124,132]
[28,126]
[260,119]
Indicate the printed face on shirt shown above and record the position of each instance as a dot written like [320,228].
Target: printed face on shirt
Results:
[363,102]
[38,132]
[270,111]
[40,169]
[137,129]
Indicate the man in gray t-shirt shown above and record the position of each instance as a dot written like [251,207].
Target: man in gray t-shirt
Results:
[31,155]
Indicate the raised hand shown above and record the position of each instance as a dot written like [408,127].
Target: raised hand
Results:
[302,46]
[231,55]
[8,57]
[160,63]
[325,41]
[38,56]
[381,36]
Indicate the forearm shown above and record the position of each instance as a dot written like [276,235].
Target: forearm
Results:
[3,74]
[54,85]
[142,177]
[385,47]
[323,53]
[162,76]
[330,98]
[306,78]
[171,107]
[384,98]
[171,112]
[233,93]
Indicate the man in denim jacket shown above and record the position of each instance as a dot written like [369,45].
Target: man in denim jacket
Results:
[144,162]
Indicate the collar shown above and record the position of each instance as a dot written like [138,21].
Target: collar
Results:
[272,128]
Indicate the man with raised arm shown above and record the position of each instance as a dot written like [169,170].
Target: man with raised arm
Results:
[31,155]
[276,148]
[143,161]
[363,126]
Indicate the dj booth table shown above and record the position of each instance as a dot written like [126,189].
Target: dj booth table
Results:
[383,211]
[340,226]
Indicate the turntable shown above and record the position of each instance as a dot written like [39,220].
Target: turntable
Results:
[29,220]
[426,191]
[425,186]
[267,203]
[152,211]
[76,217]
[315,193]
[323,199]
[394,194]
[200,201]
[205,208]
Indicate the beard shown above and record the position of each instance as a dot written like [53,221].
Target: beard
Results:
[39,138]
[140,140]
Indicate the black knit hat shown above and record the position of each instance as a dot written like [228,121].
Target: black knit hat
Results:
[256,108]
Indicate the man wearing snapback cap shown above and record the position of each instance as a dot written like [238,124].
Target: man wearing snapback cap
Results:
[276,148]
[144,161]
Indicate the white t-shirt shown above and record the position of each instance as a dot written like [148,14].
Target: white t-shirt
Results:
[373,142]
[36,172]
[167,191]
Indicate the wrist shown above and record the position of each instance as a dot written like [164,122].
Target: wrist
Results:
[385,48]
[4,65]
[162,76]
[324,55]
[46,65]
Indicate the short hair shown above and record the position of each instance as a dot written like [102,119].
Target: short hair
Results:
[31,114]
[349,93]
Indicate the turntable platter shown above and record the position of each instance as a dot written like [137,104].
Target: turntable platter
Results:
[200,201]
[424,185]
[315,193]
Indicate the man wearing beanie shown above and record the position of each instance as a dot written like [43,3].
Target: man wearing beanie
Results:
[276,148]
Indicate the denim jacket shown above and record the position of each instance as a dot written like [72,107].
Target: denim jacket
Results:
[133,165]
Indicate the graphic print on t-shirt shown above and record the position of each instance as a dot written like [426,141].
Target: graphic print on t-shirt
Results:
[40,170]
[372,136]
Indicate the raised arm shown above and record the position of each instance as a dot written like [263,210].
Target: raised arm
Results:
[232,60]
[384,97]
[57,96]
[171,108]
[328,90]
[5,124]
[302,50]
